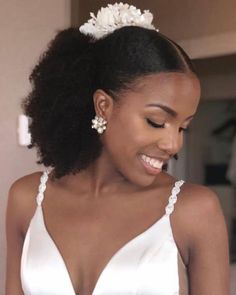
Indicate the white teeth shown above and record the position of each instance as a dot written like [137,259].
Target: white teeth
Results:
[152,162]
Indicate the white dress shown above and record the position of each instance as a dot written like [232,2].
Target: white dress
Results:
[148,264]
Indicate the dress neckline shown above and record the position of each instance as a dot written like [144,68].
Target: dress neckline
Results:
[164,218]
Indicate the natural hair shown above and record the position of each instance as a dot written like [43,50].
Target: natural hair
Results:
[60,105]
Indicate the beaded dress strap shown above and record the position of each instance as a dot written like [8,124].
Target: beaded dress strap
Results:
[173,197]
[42,187]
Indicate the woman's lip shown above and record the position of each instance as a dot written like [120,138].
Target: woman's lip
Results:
[149,169]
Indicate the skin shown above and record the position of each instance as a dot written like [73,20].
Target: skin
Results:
[116,187]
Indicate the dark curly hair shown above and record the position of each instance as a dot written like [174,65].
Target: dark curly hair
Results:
[60,105]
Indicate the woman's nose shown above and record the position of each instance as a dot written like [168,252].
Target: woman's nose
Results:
[171,142]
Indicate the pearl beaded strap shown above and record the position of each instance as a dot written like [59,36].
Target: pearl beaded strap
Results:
[173,198]
[42,187]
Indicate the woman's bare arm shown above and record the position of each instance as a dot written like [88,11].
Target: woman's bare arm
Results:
[208,244]
[20,207]
[14,242]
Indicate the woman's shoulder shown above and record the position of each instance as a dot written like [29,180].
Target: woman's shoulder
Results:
[203,231]
[198,200]
[198,216]
[22,199]
[197,219]
[193,198]
[25,182]
[25,188]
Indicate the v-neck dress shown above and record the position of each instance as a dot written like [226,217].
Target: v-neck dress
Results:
[148,264]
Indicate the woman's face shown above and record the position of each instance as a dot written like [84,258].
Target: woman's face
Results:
[146,128]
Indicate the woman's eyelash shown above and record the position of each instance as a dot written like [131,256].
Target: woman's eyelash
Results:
[155,125]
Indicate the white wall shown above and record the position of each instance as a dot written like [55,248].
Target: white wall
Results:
[25,28]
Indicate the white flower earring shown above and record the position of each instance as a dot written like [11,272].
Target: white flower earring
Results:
[99,124]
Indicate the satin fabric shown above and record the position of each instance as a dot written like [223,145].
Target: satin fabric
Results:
[149,264]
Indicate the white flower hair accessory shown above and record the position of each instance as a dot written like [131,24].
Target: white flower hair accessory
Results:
[116,16]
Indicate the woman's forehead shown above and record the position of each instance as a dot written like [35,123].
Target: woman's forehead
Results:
[165,88]
[165,81]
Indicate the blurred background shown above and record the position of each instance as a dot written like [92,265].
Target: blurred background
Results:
[205,29]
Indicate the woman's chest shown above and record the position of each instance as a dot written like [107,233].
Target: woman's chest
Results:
[147,264]
[128,244]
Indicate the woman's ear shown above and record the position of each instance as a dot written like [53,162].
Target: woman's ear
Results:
[103,104]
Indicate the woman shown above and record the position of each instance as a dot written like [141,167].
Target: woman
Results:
[109,106]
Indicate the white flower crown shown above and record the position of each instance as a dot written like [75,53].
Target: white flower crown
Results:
[116,16]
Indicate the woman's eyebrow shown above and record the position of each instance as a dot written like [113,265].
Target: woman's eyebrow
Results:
[166,109]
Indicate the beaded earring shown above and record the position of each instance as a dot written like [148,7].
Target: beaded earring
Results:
[99,124]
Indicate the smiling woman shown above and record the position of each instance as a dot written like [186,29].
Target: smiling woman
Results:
[109,103]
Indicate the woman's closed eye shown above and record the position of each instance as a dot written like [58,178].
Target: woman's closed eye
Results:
[156,125]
